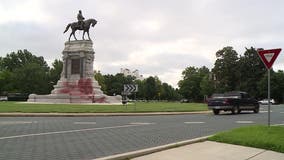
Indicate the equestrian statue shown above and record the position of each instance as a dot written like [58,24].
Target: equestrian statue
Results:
[82,24]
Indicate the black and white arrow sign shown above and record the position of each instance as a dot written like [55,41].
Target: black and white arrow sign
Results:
[130,88]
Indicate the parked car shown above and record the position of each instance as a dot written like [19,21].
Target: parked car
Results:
[265,101]
[233,101]
[3,98]
[184,101]
[18,96]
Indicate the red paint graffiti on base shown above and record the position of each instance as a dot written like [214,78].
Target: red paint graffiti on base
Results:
[99,100]
[82,88]
[85,86]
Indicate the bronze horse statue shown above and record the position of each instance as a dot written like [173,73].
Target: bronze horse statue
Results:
[86,26]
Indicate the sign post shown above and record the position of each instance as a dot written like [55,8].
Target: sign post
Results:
[130,88]
[268,57]
[268,95]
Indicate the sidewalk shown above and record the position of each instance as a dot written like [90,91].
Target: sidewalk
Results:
[209,150]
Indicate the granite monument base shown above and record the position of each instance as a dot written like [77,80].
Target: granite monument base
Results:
[77,83]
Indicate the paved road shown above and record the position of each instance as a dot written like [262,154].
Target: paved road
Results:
[27,138]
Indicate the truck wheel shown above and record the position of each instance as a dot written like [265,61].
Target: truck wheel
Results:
[256,109]
[235,110]
[216,111]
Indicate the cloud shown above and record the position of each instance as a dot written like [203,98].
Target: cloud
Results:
[159,37]
[25,11]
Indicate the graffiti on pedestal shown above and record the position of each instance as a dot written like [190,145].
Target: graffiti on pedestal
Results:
[82,88]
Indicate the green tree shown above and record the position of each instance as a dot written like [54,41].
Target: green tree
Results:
[101,80]
[169,93]
[158,84]
[190,85]
[226,70]
[24,72]
[14,60]
[166,92]
[251,71]
[141,94]
[1,64]
[276,86]
[31,78]
[207,86]
[114,84]
[151,88]
[55,71]
[5,82]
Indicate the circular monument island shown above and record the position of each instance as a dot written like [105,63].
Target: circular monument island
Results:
[77,83]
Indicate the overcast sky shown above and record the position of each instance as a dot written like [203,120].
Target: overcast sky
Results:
[157,37]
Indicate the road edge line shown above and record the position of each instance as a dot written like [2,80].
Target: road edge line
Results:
[138,153]
[15,114]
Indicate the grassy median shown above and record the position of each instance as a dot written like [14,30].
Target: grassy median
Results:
[270,138]
[77,108]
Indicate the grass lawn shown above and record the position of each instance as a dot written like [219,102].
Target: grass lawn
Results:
[75,108]
[271,138]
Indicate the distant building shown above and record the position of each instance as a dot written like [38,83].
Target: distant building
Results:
[135,73]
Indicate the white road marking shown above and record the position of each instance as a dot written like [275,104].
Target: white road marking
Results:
[140,123]
[244,122]
[278,124]
[70,131]
[194,122]
[85,123]
[17,122]
[265,111]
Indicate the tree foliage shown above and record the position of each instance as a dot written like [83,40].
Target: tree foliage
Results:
[114,83]
[226,69]
[194,79]
[101,80]
[276,86]
[17,60]
[150,88]
[246,73]
[55,71]
[251,71]
[231,72]
[24,72]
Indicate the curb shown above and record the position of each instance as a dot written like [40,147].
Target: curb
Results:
[96,114]
[130,155]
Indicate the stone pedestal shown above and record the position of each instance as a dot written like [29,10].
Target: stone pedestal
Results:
[77,83]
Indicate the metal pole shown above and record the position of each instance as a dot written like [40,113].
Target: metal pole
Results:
[135,101]
[126,101]
[268,83]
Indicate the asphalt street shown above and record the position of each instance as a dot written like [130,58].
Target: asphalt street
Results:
[42,138]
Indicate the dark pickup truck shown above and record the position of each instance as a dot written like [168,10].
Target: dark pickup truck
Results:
[232,101]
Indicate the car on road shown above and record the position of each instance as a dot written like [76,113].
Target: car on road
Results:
[235,102]
[265,101]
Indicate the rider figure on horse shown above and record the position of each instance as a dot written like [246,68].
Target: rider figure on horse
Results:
[80,25]
[80,19]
